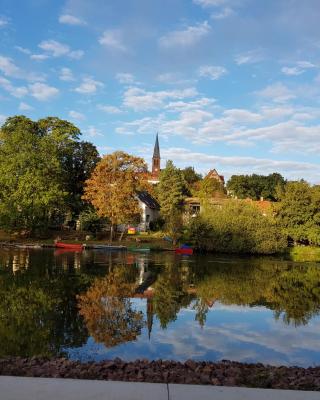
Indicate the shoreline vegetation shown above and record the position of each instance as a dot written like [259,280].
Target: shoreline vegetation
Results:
[297,253]
[222,373]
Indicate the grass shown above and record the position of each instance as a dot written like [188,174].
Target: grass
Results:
[305,253]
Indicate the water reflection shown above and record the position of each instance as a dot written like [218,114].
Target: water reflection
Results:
[95,305]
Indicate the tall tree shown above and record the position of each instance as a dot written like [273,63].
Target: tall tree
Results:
[299,211]
[113,186]
[171,193]
[46,175]
[30,174]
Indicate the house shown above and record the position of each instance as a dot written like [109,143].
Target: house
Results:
[214,175]
[150,210]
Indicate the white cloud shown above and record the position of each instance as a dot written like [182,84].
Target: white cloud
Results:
[292,71]
[113,40]
[25,107]
[142,100]
[77,115]
[210,3]
[58,49]
[66,75]
[109,109]
[225,13]
[16,91]
[212,72]
[4,21]
[299,68]
[71,20]
[23,50]
[39,57]
[125,78]
[277,92]
[88,86]
[8,67]
[241,115]
[186,37]
[76,54]
[93,132]
[42,91]
[249,57]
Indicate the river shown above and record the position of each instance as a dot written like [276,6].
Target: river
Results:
[98,305]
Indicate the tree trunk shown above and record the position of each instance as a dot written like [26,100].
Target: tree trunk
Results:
[111,233]
[122,233]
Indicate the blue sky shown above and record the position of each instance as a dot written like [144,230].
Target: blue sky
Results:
[228,84]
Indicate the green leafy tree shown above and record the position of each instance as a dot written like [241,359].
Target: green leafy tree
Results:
[298,212]
[171,193]
[45,177]
[30,183]
[255,186]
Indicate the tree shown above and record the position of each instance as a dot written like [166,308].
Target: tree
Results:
[298,212]
[113,186]
[171,193]
[255,186]
[46,176]
[30,183]
[78,163]
[192,179]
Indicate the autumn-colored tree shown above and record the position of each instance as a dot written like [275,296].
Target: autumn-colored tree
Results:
[113,186]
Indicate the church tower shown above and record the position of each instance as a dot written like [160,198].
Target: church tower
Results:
[156,160]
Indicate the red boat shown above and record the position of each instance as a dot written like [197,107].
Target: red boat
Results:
[69,246]
[184,250]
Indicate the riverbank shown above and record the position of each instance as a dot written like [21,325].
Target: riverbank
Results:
[224,373]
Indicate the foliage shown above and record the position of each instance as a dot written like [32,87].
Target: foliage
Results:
[113,185]
[236,227]
[210,188]
[192,179]
[90,221]
[171,193]
[255,186]
[45,177]
[29,178]
[298,212]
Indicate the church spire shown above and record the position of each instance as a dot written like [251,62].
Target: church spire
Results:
[156,159]
[156,151]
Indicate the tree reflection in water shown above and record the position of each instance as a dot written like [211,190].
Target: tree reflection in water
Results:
[108,311]
[51,304]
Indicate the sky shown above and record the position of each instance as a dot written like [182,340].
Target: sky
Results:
[228,84]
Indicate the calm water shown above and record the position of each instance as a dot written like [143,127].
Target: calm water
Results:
[98,305]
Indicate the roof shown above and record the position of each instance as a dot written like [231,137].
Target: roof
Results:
[214,174]
[156,151]
[148,200]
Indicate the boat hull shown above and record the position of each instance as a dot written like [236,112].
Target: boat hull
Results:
[69,246]
[184,251]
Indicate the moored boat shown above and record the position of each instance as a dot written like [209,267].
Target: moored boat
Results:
[69,246]
[105,247]
[184,249]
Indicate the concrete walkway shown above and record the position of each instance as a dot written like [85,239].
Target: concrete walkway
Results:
[14,388]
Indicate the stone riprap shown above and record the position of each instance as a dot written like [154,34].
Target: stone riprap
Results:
[224,373]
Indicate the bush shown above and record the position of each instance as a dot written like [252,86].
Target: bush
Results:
[90,221]
[237,227]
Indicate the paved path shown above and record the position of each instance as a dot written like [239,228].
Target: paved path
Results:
[14,388]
